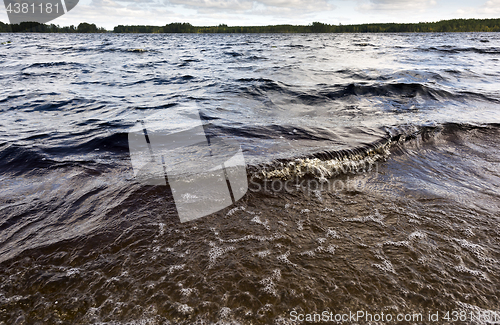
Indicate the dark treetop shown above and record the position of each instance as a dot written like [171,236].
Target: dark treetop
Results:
[453,25]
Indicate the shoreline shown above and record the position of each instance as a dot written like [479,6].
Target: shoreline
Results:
[443,26]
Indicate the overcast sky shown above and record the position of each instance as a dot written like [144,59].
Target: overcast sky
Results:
[109,13]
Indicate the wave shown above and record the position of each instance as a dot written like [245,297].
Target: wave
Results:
[87,148]
[388,89]
[102,48]
[79,149]
[19,159]
[41,65]
[327,164]
[455,50]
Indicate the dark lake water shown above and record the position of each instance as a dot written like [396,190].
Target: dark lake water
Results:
[390,144]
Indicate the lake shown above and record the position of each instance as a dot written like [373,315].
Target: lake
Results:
[372,162]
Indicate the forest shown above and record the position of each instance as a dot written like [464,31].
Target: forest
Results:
[454,25]
[443,26]
[33,27]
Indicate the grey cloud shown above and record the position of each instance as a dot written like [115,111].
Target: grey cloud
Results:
[316,5]
[491,7]
[209,8]
[389,5]
[255,6]
[232,5]
[123,3]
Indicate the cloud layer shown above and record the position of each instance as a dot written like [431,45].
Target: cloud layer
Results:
[491,7]
[398,5]
[262,7]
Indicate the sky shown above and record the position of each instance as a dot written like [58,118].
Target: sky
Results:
[109,13]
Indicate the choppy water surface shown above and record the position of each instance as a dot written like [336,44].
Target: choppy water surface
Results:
[81,241]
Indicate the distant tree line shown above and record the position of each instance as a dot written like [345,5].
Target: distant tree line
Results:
[34,27]
[453,25]
[188,28]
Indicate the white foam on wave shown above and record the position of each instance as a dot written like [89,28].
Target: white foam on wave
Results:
[281,222]
[186,292]
[73,271]
[179,242]
[332,233]
[257,220]
[417,235]
[468,232]
[386,266]
[216,252]
[284,259]
[377,218]
[234,210]
[406,243]
[143,321]
[162,229]
[300,225]
[469,246]
[184,309]
[268,284]
[476,249]
[252,237]
[263,254]
[323,169]
[330,249]
[403,243]
[225,312]
[308,253]
[14,298]
[174,268]
[466,270]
